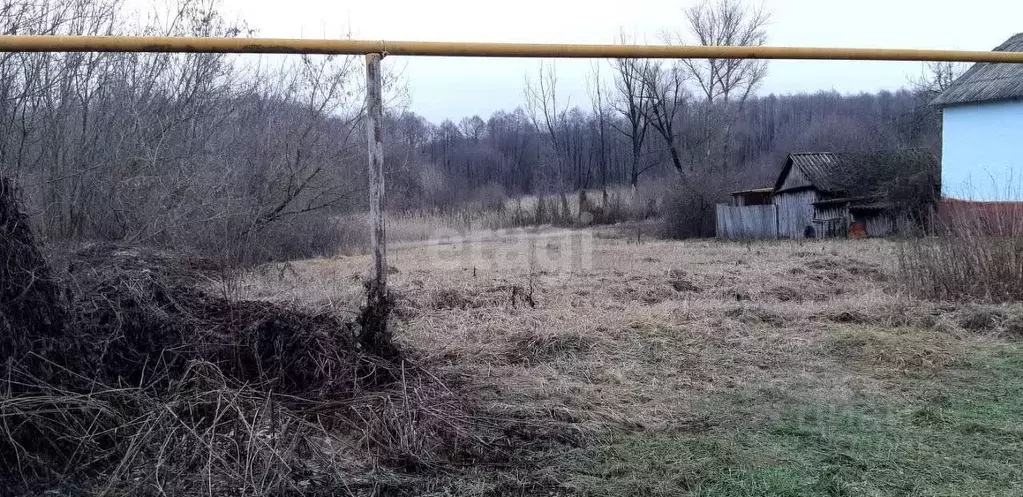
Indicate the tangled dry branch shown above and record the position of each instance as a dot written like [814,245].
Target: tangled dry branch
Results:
[122,376]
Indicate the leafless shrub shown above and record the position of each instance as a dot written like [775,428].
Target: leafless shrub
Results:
[976,254]
[689,209]
[32,309]
[303,236]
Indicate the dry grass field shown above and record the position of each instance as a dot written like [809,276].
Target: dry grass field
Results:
[657,367]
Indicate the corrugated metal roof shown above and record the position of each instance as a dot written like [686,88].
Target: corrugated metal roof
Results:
[844,200]
[817,167]
[987,81]
[823,169]
[876,206]
[754,190]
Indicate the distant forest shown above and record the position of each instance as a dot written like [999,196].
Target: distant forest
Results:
[227,153]
[507,153]
[694,126]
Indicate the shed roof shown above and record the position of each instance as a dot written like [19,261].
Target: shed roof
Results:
[825,171]
[817,167]
[845,200]
[754,190]
[987,81]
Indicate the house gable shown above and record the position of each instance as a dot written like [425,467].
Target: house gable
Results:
[795,179]
[806,170]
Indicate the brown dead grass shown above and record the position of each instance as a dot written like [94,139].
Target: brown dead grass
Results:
[646,332]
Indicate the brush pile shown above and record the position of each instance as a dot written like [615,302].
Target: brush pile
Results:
[123,377]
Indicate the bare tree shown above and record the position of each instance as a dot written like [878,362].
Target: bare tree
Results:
[473,127]
[630,102]
[668,100]
[598,104]
[548,116]
[924,121]
[725,84]
[936,77]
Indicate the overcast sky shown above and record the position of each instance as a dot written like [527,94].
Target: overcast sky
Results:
[455,87]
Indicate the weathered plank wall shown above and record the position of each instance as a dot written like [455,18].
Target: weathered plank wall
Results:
[747,222]
[831,220]
[795,212]
[879,225]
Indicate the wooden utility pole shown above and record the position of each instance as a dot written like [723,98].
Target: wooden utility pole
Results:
[374,336]
[378,236]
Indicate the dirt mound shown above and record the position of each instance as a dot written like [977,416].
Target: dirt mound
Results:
[680,283]
[504,295]
[755,315]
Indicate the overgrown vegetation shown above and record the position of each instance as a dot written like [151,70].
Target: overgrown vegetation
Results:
[122,375]
[909,181]
[782,368]
[241,159]
[975,254]
[711,368]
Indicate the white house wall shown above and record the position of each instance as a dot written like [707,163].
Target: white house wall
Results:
[982,151]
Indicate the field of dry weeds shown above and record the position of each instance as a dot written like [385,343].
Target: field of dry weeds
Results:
[654,367]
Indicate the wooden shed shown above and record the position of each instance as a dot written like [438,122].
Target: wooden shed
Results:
[812,202]
[808,200]
[756,196]
[856,216]
[804,180]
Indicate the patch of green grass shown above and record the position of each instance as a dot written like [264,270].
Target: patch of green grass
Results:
[955,433]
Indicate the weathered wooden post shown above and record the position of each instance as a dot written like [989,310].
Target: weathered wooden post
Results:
[374,115]
[373,321]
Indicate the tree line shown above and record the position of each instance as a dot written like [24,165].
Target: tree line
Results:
[698,126]
[256,157]
[507,153]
